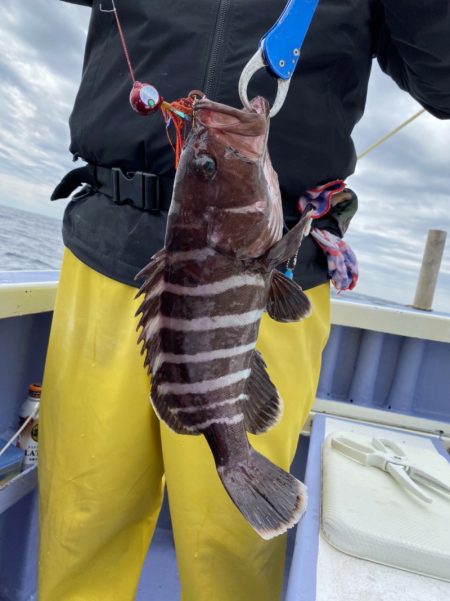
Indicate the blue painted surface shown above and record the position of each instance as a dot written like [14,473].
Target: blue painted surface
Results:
[10,461]
[12,491]
[18,550]
[159,576]
[440,448]
[23,345]
[387,371]
[302,576]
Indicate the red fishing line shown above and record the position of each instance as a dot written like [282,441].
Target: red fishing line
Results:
[145,99]
[122,39]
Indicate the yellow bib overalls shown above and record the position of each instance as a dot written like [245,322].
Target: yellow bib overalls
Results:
[104,456]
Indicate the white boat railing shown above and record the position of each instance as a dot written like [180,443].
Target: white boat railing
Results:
[28,292]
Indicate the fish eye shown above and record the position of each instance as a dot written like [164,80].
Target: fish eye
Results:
[205,165]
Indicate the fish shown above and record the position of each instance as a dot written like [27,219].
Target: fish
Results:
[203,297]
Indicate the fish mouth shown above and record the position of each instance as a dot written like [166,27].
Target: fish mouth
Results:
[232,120]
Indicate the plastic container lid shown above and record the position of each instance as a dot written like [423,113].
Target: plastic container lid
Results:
[36,388]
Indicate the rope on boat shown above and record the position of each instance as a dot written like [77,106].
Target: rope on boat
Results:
[390,134]
[19,431]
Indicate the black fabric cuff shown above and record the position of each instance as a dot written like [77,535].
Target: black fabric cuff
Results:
[80,2]
[338,218]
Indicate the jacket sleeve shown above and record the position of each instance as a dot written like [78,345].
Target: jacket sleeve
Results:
[413,47]
[82,2]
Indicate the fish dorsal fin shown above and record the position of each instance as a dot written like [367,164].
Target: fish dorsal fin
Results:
[153,275]
[263,407]
[289,244]
[287,301]
[152,288]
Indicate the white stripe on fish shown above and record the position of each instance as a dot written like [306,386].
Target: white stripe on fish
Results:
[246,209]
[204,386]
[239,417]
[202,356]
[209,406]
[202,324]
[235,281]
[200,254]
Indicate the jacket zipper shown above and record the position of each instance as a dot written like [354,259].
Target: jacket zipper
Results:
[216,52]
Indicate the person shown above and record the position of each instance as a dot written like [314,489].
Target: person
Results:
[104,456]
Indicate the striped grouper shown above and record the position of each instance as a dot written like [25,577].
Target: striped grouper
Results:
[204,295]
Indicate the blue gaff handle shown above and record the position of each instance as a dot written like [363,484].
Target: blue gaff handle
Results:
[281,44]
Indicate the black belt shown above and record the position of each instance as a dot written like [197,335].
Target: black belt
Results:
[144,191]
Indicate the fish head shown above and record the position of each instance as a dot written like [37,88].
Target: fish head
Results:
[226,182]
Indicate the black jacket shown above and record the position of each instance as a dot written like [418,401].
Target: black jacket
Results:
[182,45]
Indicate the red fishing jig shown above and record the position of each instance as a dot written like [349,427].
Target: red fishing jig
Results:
[144,98]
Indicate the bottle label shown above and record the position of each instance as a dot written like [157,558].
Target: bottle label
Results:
[28,441]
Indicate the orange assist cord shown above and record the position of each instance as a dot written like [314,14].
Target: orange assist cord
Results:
[177,113]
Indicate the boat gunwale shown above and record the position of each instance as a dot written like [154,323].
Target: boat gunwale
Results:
[30,292]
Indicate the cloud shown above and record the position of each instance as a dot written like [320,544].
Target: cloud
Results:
[403,185]
[404,190]
[41,49]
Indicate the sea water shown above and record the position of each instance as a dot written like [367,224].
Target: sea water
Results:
[29,241]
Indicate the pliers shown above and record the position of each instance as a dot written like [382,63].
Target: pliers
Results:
[279,50]
[386,455]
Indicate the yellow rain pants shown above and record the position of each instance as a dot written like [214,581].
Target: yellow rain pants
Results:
[104,456]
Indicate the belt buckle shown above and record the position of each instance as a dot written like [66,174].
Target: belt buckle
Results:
[141,190]
[150,192]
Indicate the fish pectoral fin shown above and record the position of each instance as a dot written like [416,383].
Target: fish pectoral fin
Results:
[286,302]
[289,244]
[263,407]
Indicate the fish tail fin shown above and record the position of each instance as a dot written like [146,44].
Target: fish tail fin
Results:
[269,498]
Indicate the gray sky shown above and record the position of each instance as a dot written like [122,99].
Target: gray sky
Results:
[403,186]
